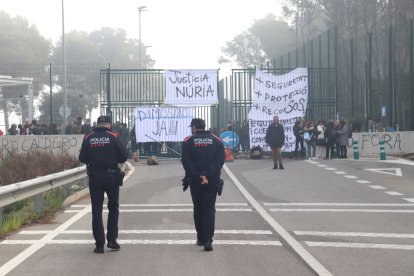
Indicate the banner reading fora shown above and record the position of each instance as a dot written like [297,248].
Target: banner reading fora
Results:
[169,124]
[191,87]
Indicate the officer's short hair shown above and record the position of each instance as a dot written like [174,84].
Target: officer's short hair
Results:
[104,119]
[198,123]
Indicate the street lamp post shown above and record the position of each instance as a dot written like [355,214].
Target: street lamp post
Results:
[140,9]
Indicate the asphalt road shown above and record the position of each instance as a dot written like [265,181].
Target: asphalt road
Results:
[326,217]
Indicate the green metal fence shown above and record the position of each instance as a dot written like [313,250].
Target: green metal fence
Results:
[368,75]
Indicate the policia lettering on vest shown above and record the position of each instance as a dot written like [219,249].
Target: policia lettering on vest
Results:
[202,158]
[101,151]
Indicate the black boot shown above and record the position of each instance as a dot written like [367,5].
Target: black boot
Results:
[281,167]
[275,166]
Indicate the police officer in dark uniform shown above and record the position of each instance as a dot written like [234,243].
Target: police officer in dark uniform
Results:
[101,151]
[202,158]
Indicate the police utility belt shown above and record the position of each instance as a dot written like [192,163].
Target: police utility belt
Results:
[116,172]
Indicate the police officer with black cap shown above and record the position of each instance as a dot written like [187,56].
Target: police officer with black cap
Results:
[101,151]
[202,158]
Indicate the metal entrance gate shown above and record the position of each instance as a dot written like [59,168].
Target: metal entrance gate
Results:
[123,90]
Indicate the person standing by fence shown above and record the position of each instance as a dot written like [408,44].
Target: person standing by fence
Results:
[275,138]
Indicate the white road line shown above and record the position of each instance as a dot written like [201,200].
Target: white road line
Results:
[393,193]
[351,176]
[383,170]
[360,245]
[74,232]
[38,244]
[146,241]
[342,204]
[363,181]
[165,205]
[409,199]
[330,169]
[285,235]
[168,210]
[340,172]
[344,210]
[377,187]
[354,234]
[322,165]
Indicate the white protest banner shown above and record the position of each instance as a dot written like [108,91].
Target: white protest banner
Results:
[285,95]
[169,124]
[191,87]
[258,133]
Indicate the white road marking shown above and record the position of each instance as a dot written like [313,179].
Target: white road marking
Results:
[342,204]
[146,241]
[285,235]
[74,232]
[393,193]
[340,172]
[322,165]
[354,234]
[377,187]
[351,176]
[363,181]
[38,244]
[396,171]
[360,245]
[409,199]
[166,205]
[344,210]
[168,210]
[330,169]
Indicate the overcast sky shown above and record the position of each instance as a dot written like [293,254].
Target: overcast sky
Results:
[183,34]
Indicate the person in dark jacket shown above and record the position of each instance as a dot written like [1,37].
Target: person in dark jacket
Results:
[330,136]
[275,138]
[298,133]
[101,151]
[202,158]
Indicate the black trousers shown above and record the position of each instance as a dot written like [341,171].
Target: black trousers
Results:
[99,184]
[204,201]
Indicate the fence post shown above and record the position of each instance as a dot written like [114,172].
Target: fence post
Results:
[38,203]
[356,149]
[382,150]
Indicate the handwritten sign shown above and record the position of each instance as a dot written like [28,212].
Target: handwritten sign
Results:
[285,96]
[191,87]
[258,131]
[169,124]
[31,143]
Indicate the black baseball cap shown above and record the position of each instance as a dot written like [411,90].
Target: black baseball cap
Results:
[198,123]
[104,119]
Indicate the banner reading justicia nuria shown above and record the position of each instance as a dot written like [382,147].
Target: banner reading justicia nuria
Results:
[283,95]
[191,87]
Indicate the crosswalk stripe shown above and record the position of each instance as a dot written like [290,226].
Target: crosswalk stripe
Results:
[340,204]
[147,241]
[343,210]
[354,234]
[162,205]
[168,210]
[360,245]
[74,232]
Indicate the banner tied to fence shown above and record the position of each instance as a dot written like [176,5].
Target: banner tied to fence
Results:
[191,87]
[285,96]
[169,124]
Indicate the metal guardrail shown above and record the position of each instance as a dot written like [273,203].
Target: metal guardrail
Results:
[25,189]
